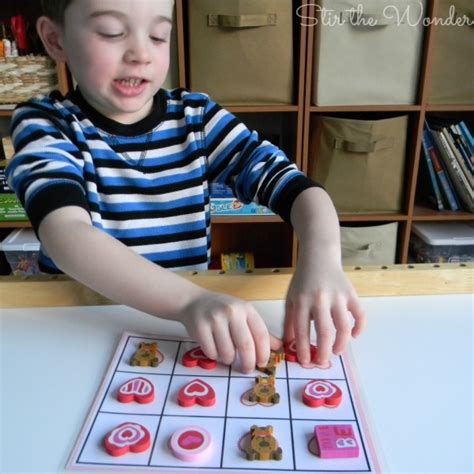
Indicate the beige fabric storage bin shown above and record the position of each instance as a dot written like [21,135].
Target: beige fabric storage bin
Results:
[241,51]
[361,163]
[452,72]
[370,245]
[358,64]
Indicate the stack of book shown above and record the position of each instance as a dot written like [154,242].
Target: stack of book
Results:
[447,165]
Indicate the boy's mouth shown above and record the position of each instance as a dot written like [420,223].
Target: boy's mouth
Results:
[130,86]
[131,81]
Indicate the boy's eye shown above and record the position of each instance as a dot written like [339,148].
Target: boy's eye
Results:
[157,40]
[110,35]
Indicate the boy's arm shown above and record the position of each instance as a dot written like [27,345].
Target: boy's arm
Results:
[223,325]
[320,292]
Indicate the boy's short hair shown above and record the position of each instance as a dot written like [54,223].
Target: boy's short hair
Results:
[54,9]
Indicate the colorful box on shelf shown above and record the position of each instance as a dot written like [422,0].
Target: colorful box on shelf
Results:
[223,203]
[11,209]
[21,249]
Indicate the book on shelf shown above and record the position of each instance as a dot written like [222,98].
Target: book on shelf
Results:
[468,176]
[466,133]
[462,147]
[6,152]
[445,185]
[461,184]
[429,186]
[457,141]
[7,148]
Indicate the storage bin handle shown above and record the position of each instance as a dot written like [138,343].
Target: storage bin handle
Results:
[242,21]
[364,250]
[362,146]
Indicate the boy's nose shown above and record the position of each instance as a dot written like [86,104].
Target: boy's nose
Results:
[137,51]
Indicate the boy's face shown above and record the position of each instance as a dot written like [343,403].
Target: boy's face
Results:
[118,52]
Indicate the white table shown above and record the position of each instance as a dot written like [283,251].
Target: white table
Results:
[414,364]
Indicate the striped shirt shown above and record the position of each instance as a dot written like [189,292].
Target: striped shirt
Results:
[146,184]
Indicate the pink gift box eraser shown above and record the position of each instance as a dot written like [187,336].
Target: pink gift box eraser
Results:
[336,441]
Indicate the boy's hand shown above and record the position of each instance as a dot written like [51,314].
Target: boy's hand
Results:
[224,326]
[321,293]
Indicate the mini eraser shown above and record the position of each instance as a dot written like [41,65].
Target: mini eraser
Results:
[336,441]
[147,355]
[191,443]
[127,437]
[139,389]
[275,358]
[195,357]
[319,393]
[290,352]
[263,445]
[196,391]
[264,391]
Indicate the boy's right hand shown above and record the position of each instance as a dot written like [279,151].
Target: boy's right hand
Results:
[226,326]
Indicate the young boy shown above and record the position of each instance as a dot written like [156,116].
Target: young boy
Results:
[115,175]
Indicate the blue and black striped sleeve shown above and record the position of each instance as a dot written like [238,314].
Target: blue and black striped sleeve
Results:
[46,171]
[255,169]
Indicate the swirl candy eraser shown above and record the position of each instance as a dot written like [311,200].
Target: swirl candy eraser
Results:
[127,437]
[318,393]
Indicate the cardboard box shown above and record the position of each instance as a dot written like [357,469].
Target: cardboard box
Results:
[223,203]
[11,209]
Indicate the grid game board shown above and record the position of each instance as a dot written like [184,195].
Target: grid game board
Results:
[228,421]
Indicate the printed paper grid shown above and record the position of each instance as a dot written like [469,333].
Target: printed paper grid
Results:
[227,421]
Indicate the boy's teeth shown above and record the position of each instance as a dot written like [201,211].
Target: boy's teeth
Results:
[130,82]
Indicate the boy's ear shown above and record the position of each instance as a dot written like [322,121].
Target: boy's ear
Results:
[51,37]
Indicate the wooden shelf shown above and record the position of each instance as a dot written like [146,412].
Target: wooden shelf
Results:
[421,213]
[261,108]
[245,219]
[365,108]
[14,224]
[449,108]
[372,217]
[7,112]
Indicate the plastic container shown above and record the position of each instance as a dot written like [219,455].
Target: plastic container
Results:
[441,242]
[21,249]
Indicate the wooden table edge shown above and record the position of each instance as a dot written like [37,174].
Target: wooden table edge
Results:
[261,284]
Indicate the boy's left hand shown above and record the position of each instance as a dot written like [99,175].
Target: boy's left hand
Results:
[320,293]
